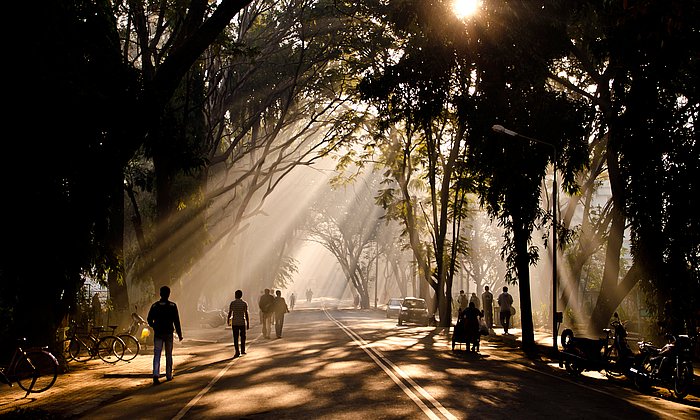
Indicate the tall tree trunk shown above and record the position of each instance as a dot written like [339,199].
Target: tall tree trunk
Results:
[609,298]
[116,280]
[520,239]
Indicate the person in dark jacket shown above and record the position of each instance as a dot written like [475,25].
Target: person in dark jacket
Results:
[164,318]
[280,308]
[267,306]
[471,319]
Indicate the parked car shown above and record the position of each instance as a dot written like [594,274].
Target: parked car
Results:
[414,310]
[393,307]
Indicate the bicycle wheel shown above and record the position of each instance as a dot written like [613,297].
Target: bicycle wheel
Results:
[131,347]
[79,351]
[110,349]
[37,371]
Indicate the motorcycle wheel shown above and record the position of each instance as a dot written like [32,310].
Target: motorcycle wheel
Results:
[567,337]
[643,382]
[612,357]
[683,380]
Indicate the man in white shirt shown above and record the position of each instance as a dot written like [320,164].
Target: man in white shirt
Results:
[505,301]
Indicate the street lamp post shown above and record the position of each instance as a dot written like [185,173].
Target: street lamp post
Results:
[556,316]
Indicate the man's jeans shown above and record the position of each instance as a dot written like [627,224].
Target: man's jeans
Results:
[505,320]
[158,344]
[238,330]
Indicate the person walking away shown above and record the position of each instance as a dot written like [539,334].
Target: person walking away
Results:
[266,304]
[260,314]
[292,301]
[164,319]
[280,308]
[487,300]
[474,298]
[505,301]
[239,320]
[463,301]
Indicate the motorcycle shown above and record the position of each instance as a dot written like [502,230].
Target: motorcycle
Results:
[140,329]
[670,366]
[213,318]
[611,354]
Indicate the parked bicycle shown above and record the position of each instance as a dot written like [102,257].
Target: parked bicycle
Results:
[34,369]
[99,342]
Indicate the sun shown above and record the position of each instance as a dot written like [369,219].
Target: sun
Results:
[465,8]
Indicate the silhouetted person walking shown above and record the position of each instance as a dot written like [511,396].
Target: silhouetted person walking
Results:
[505,301]
[463,301]
[239,320]
[292,301]
[280,308]
[266,305]
[164,318]
[475,299]
[487,300]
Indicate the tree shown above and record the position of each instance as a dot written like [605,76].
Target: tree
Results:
[74,62]
[484,73]
[638,56]
[346,223]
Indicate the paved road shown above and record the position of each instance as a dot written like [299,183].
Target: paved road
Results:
[349,364]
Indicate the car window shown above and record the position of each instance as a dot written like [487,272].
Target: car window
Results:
[394,302]
[414,304]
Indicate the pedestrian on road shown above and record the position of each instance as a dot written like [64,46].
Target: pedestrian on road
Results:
[487,300]
[463,301]
[239,320]
[475,299]
[260,313]
[505,302]
[292,301]
[266,305]
[164,318]
[280,308]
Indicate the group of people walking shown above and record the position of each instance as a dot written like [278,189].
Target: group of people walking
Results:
[164,319]
[473,321]
[271,307]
